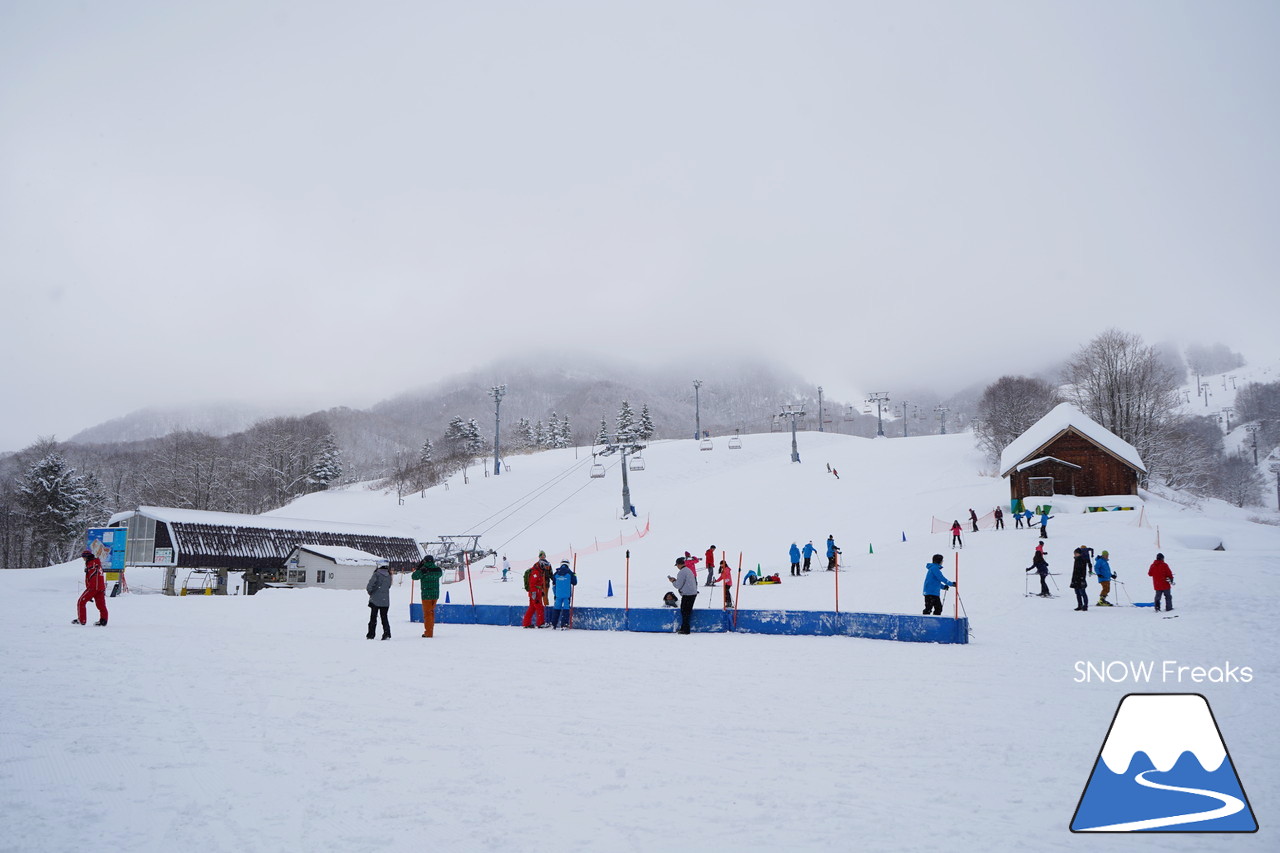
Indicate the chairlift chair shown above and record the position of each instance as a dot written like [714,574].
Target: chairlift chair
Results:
[636,463]
[706,444]
[735,443]
[597,471]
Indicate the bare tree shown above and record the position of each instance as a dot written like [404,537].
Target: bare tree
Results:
[1126,387]
[1008,407]
[1238,482]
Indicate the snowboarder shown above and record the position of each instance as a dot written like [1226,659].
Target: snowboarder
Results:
[1102,568]
[1041,567]
[564,580]
[536,579]
[1079,581]
[428,577]
[794,553]
[1162,582]
[956,541]
[973,519]
[832,553]
[686,583]
[726,578]
[709,560]
[379,589]
[808,551]
[95,588]
[999,519]
[934,582]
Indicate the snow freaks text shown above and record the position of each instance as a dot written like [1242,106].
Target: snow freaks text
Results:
[1167,672]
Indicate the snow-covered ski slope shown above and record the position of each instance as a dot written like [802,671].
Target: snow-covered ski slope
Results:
[269,723]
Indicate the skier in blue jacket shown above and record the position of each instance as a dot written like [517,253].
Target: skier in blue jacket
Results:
[934,583]
[1102,568]
[1044,522]
[795,560]
[563,582]
[808,551]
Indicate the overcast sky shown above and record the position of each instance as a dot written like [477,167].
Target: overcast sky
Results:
[335,202]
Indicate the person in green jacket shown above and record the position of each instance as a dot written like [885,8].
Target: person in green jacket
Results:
[428,577]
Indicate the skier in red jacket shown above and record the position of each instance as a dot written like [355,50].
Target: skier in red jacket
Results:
[95,588]
[1162,581]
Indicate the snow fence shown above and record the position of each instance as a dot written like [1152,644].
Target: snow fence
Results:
[815,623]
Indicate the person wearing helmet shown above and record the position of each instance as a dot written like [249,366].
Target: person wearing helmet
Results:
[95,588]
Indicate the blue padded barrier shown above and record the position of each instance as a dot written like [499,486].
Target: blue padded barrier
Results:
[902,627]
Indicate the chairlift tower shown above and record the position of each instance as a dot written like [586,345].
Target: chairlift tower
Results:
[1252,429]
[879,398]
[697,410]
[904,418]
[942,415]
[497,392]
[820,409]
[793,413]
[623,449]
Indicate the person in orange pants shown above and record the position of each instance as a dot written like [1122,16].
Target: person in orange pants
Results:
[428,577]
[95,588]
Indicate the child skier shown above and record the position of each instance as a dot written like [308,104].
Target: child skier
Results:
[934,582]
[1041,566]
[955,534]
[1102,568]
[563,581]
[726,578]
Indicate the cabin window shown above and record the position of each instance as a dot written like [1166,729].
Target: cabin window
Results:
[319,575]
[297,576]
[1040,486]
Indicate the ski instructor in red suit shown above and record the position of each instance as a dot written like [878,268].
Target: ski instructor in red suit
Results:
[95,588]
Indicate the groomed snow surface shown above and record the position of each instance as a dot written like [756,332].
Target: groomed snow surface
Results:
[269,723]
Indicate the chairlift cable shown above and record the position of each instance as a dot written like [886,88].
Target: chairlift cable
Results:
[524,499]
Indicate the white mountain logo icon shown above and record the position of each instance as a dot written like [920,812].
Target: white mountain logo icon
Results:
[1164,767]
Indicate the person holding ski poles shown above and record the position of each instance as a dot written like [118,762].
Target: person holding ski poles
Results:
[563,582]
[1041,566]
[955,534]
[832,553]
[808,552]
[1102,568]
[934,582]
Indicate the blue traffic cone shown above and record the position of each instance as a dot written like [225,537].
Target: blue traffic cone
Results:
[610,593]
[904,536]
[446,596]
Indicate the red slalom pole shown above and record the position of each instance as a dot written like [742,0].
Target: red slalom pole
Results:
[572,587]
[957,601]
[737,599]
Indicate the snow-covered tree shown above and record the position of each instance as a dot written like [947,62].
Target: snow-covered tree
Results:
[53,498]
[524,434]
[625,423]
[426,454]
[646,430]
[539,434]
[474,441]
[602,437]
[566,432]
[455,435]
[327,467]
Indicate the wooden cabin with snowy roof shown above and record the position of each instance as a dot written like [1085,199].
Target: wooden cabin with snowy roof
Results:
[1068,453]
[203,542]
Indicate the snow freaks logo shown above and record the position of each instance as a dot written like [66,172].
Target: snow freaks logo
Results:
[1163,768]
